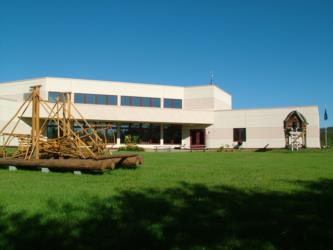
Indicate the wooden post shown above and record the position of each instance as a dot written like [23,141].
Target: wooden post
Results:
[35,121]
[64,113]
[68,101]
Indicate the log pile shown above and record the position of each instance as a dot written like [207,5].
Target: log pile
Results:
[112,162]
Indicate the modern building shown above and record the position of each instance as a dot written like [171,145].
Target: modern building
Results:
[168,115]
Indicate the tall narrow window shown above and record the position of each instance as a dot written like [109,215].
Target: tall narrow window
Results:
[172,133]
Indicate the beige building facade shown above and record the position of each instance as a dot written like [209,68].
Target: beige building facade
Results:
[160,115]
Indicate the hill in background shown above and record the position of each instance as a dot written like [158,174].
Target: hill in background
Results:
[329,136]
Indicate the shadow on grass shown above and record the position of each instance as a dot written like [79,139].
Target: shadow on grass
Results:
[188,217]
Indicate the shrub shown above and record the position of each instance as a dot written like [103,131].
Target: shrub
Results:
[131,148]
[129,139]
[220,149]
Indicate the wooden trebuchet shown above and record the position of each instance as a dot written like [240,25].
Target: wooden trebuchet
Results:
[76,146]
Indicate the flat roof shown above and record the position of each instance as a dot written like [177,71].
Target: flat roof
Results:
[283,107]
[110,81]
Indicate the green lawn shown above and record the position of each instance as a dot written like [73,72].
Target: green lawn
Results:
[240,200]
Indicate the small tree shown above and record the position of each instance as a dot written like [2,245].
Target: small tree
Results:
[131,139]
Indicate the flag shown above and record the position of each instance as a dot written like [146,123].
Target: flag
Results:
[325,115]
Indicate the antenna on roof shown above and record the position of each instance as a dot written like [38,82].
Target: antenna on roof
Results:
[211,74]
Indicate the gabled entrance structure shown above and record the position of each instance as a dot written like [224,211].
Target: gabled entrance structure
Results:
[295,126]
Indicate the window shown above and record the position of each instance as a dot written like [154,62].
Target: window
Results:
[142,133]
[111,134]
[172,103]
[141,101]
[239,134]
[90,99]
[52,130]
[177,104]
[112,100]
[101,99]
[155,102]
[145,101]
[79,98]
[172,134]
[106,131]
[95,99]
[54,95]
[125,101]
[167,103]
[135,101]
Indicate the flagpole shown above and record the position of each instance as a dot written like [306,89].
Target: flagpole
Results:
[325,134]
[325,118]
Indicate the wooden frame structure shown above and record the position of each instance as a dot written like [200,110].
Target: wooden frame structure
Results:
[69,150]
[83,144]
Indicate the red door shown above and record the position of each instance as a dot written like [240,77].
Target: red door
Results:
[197,137]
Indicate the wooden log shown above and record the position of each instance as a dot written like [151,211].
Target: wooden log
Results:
[75,164]
[72,164]
[115,156]
[131,162]
[125,160]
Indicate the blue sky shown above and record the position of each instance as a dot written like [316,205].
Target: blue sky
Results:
[265,53]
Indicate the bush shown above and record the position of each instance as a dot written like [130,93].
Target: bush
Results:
[131,139]
[131,148]
[220,149]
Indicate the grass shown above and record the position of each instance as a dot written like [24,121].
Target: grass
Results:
[241,200]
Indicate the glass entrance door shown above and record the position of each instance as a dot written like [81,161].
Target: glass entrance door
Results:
[197,137]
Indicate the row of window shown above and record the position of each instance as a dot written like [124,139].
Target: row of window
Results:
[147,133]
[140,101]
[95,99]
[135,101]
[142,133]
